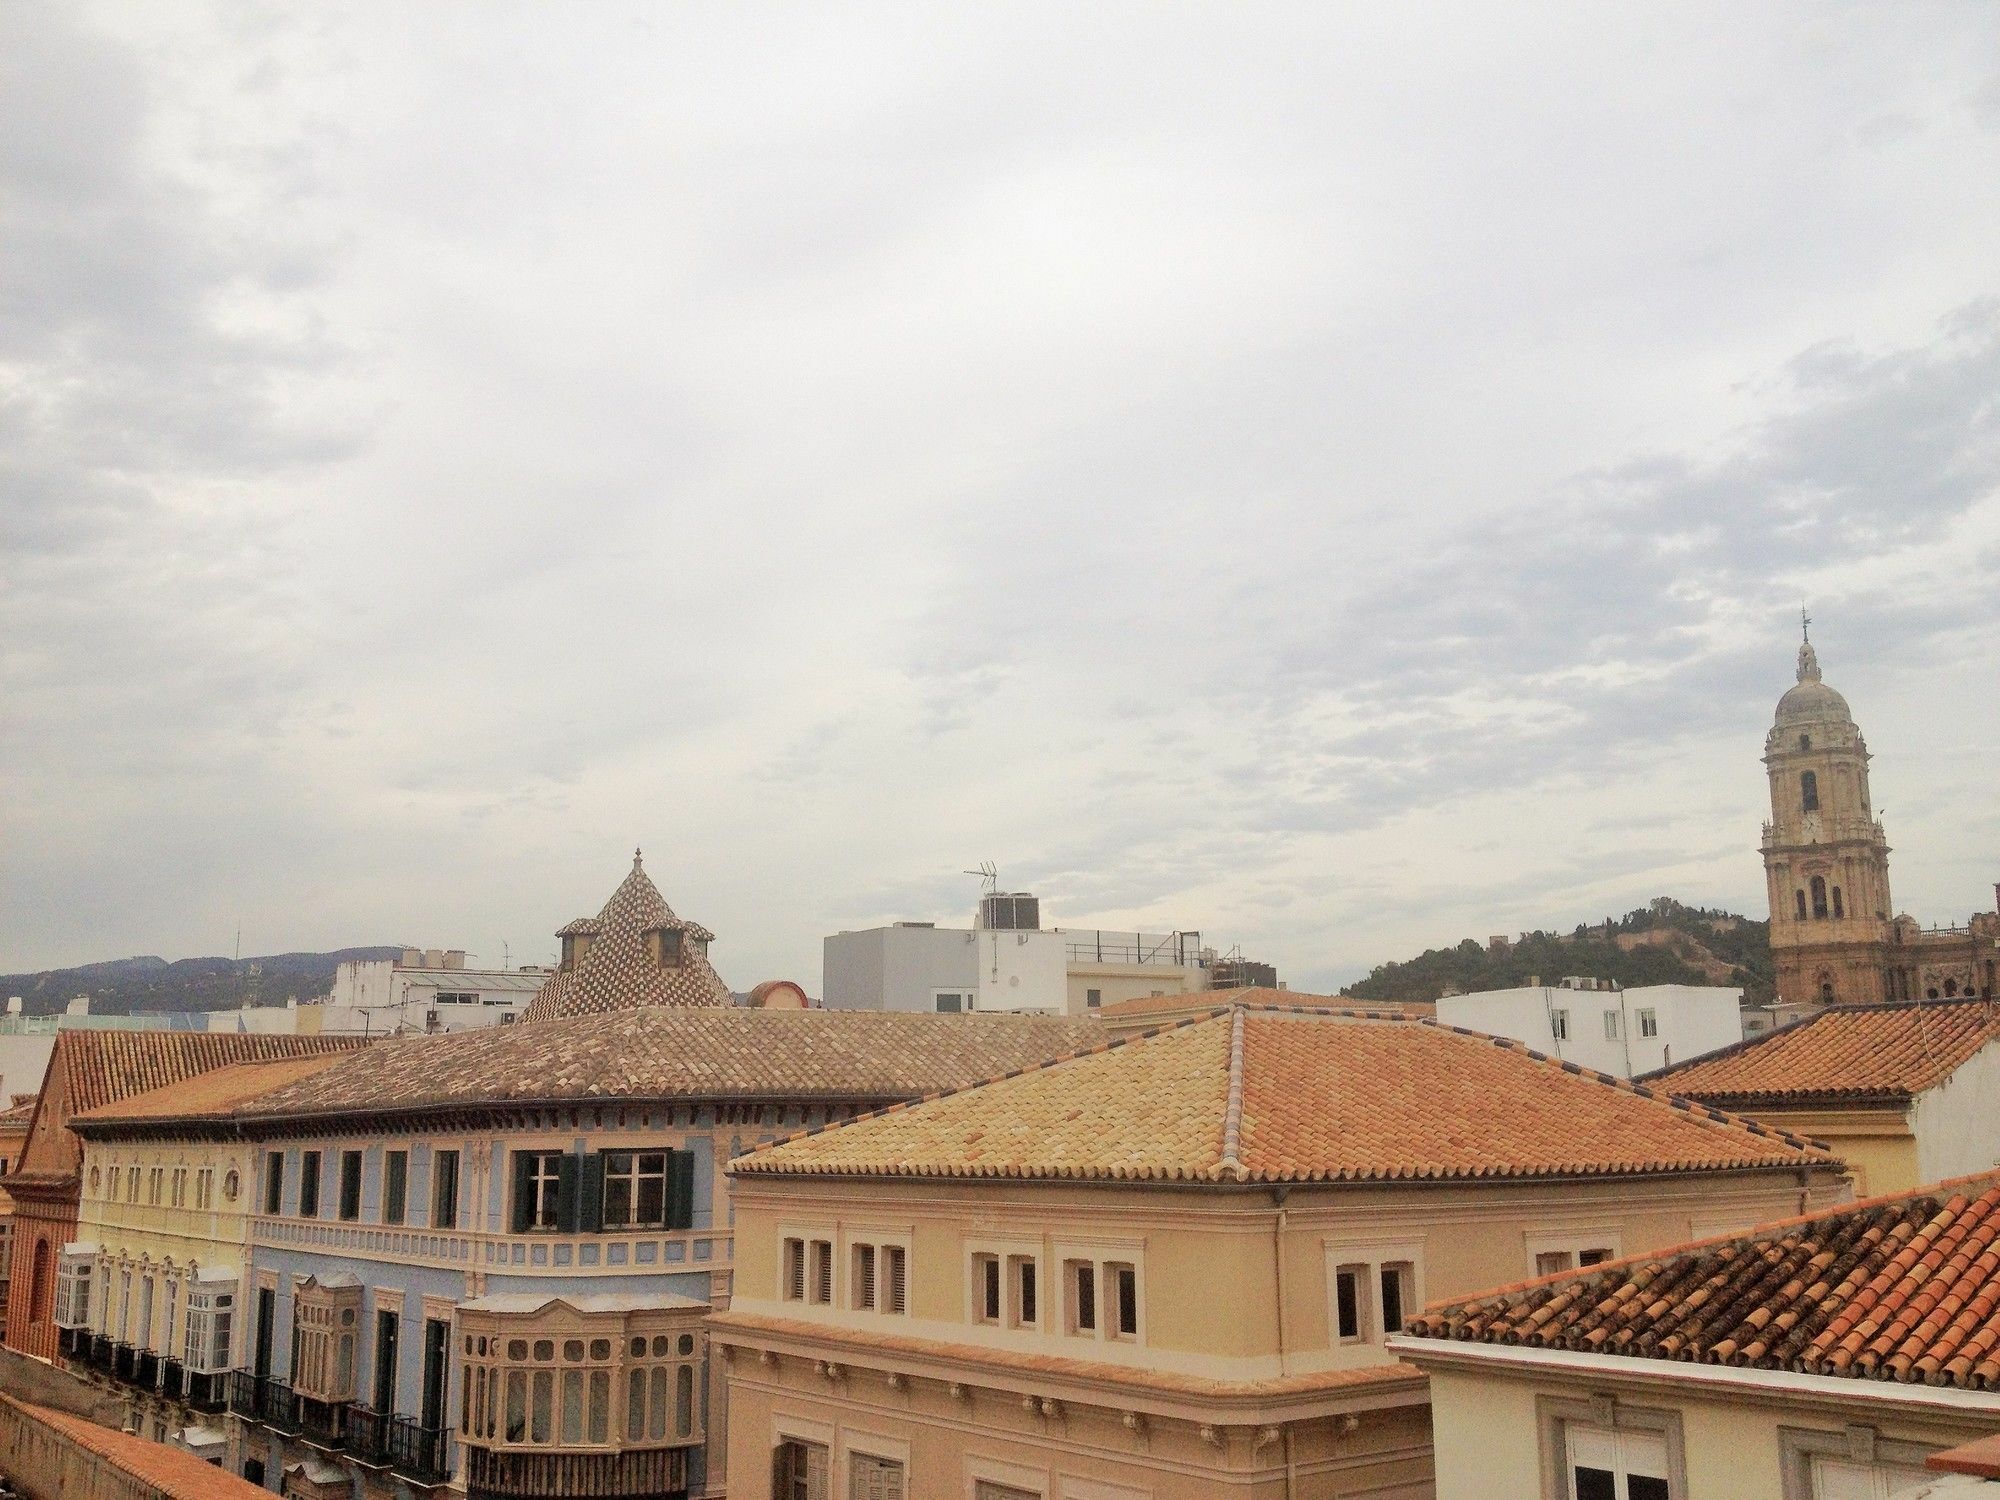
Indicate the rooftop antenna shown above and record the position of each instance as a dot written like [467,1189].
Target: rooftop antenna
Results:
[990,873]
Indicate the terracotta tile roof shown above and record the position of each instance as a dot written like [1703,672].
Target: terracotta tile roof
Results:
[617,973]
[19,1114]
[681,1053]
[1156,1005]
[220,1091]
[1849,1053]
[1261,1094]
[171,1472]
[1096,1372]
[1980,1457]
[105,1066]
[1903,1288]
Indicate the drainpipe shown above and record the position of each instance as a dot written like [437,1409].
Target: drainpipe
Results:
[1625,1030]
[1278,1223]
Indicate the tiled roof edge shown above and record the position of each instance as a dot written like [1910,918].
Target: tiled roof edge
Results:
[1756,1234]
[1231,1162]
[1737,1049]
[1707,1113]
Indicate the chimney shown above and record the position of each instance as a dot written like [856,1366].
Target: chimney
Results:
[454,958]
[13,1005]
[413,958]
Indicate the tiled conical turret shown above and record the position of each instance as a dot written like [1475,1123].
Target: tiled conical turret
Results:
[633,954]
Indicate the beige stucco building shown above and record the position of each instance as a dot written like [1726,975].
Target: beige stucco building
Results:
[1834,940]
[1904,1094]
[1167,1267]
[1824,1358]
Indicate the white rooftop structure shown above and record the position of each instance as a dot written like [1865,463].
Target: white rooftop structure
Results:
[1597,1025]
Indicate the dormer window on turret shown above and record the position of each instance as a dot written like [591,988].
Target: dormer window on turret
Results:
[663,946]
[577,938]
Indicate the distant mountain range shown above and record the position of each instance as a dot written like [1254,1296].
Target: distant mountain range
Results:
[123,985]
[1661,943]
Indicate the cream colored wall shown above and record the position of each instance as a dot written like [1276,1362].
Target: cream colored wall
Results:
[1116,982]
[1957,1124]
[162,1240]
[946,1443]
[1877,1144]
[1208,1258]
[1488,1441]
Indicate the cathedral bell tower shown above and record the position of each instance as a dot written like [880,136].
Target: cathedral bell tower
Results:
[1826,859]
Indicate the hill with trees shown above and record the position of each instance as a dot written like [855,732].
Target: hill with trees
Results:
[1663,942]
[124,985]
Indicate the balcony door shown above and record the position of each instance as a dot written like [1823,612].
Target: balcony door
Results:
[388,1340]
[437,1344]
[267,1330]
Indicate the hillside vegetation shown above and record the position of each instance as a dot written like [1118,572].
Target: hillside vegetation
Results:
[1661,943]
[124,985]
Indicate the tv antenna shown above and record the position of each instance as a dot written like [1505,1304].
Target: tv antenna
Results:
[990,873]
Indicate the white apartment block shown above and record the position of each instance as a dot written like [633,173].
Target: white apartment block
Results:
[1595,1025]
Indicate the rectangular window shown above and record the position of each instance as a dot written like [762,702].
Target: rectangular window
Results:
[1611,1025]
[874,1478]
[1093,998]
[795,1270]
[953,1002]
[1398,1292]
[350,1184]
[1021,1271]
[309,1185]
[895,1279]
[635,1189]
[204,1188]
[1620,1465]
[1649,1023]
[802,1471]
[209,1315]
[395,1186]
[178,1196]
[822,1272]
[131,1184]
[1080,1278]
[863,1290]
[444,1190]
[986,1288]
[1595,1257]
[540,1178]
[1347,1284]
[1123,1281]
[1551,1261]
[154,1178]
[1559,1024]
[274,1182]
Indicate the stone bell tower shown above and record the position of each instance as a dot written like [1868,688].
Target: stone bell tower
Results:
[1826,859]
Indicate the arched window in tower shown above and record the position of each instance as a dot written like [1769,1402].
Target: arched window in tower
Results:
[1838,910]
[1826,991]
[1808,791]
[1819,896]
[1805,742]
[1802,905]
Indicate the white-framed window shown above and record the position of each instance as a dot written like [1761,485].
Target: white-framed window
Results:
[1550,1253]
[1024,1291]
[793,1271]
[204,1188]
[1854,1463]
[1606,1464]
[1611,1025]
[1372,1289]
[878,1277]
[872,1478]
[952,1002]
[211,1312]
[819,1268]
[74,1278]
[635,1189]
[986,1298]
[1559,1025]
[1649,1022]
[1603,1449]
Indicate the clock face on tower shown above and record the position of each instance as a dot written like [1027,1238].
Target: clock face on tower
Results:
[1809,828]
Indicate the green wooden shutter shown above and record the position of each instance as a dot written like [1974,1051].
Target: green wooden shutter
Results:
[680,1190]
[590,1201]
[566,1175]
[524,1171]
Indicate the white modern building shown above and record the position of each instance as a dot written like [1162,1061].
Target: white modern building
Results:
[426,989]
[1007,961]
[1594,1024]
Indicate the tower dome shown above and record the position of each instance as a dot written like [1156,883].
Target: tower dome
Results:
[1812,701]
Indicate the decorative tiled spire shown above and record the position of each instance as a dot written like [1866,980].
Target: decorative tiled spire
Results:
[622,959]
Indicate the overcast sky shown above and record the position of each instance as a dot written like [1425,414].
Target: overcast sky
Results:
[1341,479]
